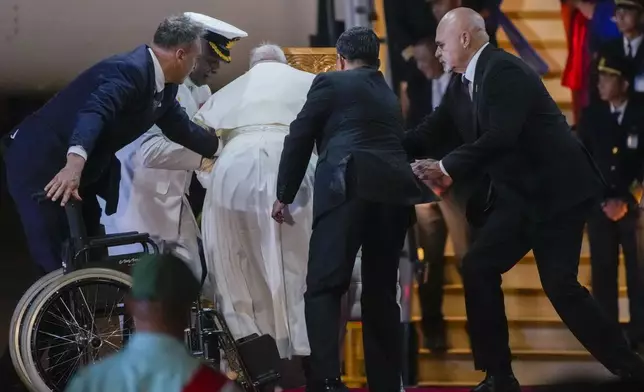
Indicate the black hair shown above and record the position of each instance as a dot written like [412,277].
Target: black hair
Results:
[429,42]
[359,44]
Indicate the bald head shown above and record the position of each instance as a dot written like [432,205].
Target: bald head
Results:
[460,34]
[465,18]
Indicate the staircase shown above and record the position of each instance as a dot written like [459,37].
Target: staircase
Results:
[543,347]
[540,23]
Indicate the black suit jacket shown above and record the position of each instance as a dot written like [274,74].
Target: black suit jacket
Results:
[520,139]
[618,149]
[355,120]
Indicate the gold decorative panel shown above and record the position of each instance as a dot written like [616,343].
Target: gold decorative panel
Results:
[318,60]
[313,60]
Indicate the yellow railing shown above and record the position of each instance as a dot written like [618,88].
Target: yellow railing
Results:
[354,371]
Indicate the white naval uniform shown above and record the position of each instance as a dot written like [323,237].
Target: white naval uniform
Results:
[155,178]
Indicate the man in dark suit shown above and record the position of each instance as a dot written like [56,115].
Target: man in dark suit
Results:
[612,130]
[79,130]
[364,197]
[544,185]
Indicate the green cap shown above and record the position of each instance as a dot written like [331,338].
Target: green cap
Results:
[163,278]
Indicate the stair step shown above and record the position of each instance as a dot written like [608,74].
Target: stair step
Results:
[526,275]
[555,56]
[455,367]
[529,369]
[535,335]
[529,257]
[530,5]
[466,353]
[523,303]
[534,14]
[539,30]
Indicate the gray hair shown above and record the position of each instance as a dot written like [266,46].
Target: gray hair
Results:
[177,31]
[267,52]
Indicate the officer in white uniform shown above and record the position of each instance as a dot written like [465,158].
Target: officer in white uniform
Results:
[156,172]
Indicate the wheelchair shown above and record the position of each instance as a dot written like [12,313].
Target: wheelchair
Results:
[76,316]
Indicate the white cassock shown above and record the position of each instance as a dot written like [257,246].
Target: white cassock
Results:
[257,268]
[155,178]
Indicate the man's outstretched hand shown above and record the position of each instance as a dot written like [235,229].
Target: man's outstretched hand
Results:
[281,214]
[430,173]
[65,184]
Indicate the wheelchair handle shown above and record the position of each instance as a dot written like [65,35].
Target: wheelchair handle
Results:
[74,212]
[78,231]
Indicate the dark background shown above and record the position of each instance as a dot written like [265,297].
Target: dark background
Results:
[16,269]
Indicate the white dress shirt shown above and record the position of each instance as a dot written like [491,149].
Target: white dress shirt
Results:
[470,71]
[159,82]
[619,109]
[634,43]
[199,93]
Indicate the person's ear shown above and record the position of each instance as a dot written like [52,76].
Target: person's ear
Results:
[180,54]
[465,39]
[340,63]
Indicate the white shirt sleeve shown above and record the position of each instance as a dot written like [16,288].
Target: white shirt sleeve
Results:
[440,163]
[78,150]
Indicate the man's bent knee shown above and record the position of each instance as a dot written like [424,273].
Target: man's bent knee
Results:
[559,287]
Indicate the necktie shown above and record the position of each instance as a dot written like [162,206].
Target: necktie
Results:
[466,86]
[158,97]
[616,115]
[629,50]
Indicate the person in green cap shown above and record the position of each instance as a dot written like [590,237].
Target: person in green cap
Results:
[155,359]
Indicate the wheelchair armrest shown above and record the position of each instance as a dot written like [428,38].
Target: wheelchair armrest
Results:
[119,239]
[112,235]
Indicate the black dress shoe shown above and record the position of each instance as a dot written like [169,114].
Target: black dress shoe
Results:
[498,384]
[436,342]
[633,371]
[328,385]
[436,338]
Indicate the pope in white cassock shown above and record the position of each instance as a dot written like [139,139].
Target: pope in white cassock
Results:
[156,172]
[257,268]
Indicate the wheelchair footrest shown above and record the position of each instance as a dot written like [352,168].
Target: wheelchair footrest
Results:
[261,358]
[266,379]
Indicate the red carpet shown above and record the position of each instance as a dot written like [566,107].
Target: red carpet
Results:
[428,389]
[424,389]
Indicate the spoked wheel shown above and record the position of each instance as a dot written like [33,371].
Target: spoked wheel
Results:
[75,321]
[17,321]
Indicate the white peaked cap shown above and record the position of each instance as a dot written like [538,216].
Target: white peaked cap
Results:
[220,35]
[217,26]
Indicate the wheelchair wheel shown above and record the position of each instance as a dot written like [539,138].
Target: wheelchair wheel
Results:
[17,320]
[75,321]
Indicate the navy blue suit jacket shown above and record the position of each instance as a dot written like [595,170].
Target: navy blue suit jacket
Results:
[103,109]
